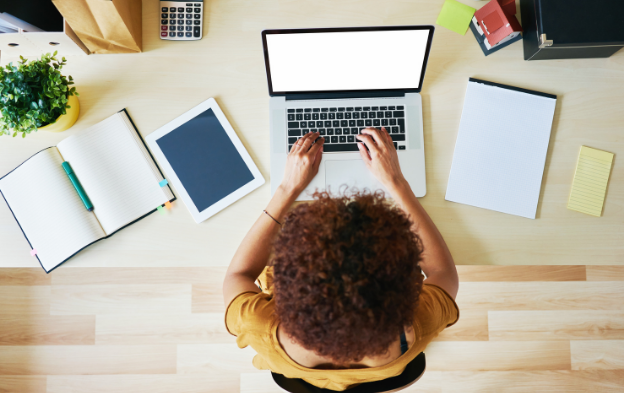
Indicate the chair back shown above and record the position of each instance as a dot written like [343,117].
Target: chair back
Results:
[413,371]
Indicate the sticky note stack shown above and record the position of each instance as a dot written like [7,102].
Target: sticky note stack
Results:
[455,16]
[589,186]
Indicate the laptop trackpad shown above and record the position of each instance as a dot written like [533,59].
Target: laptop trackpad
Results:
[352,173]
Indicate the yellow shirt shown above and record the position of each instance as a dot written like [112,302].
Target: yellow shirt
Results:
[250,316]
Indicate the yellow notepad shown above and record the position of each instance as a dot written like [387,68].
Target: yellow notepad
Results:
[590,181]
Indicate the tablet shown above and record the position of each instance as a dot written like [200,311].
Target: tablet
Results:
[204,160]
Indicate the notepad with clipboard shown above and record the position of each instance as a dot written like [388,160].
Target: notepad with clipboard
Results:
[501,148]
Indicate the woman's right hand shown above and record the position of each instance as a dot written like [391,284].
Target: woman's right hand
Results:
[381,158]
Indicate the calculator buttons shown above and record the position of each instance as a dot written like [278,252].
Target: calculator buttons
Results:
[192,13]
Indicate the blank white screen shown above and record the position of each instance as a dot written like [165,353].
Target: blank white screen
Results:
[352,60]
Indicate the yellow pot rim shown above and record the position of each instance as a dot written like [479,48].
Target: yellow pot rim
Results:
[64,122]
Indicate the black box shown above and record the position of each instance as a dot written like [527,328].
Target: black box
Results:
[571,29]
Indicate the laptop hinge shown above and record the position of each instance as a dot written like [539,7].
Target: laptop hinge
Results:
[340,95]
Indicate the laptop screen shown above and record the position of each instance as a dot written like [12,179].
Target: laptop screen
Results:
[346,59]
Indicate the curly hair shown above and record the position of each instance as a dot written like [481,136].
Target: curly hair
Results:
[346,275]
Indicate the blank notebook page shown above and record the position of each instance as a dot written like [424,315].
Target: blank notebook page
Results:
[501,148]
[114,172]
[48,208]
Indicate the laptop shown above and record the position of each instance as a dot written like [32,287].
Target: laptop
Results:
[338,81]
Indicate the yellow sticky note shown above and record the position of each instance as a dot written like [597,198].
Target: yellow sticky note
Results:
[455,16]
[589,186]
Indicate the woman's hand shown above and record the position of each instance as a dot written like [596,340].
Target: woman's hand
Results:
[381,158]
[303,163]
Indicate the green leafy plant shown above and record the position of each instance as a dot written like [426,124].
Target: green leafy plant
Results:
[33,94]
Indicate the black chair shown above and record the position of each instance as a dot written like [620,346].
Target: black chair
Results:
[412,373]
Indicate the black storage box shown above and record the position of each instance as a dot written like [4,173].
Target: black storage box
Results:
[571,29]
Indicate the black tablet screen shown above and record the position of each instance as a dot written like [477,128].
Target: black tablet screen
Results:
[205,160]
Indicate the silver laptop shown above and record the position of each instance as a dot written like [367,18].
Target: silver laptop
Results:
[337,81]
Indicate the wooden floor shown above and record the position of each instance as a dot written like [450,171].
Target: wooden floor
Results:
[522,328]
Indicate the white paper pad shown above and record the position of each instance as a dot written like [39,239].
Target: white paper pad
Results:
[501,148]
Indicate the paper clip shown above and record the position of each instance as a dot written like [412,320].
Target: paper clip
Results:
[163,182]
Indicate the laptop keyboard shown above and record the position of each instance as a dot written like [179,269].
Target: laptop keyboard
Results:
[339,126]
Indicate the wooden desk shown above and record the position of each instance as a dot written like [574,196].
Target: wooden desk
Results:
[169,78]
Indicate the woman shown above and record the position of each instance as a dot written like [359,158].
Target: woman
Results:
[347,286]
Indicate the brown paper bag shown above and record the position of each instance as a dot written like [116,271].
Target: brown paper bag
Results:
[105,26]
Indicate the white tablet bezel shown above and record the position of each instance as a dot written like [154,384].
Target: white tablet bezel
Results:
[171,176]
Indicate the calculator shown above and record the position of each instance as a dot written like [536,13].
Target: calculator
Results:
[181,20]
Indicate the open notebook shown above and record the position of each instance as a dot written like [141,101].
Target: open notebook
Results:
[116,171]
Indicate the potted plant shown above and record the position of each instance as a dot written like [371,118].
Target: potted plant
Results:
[34,95]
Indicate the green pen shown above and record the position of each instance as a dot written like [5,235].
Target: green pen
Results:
[81,192]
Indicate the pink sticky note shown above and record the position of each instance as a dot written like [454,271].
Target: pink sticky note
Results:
[168,205]
[33,252]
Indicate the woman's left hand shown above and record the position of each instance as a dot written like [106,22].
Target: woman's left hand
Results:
[303,163]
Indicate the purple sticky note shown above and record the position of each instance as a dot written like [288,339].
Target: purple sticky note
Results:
[33,252]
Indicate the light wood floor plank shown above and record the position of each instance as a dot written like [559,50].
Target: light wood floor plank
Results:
[556,325]
[472,326]
[605,273]
[520,273]
[47,330]
[25,299]
[215,359]
[533,381]
[207,298]
[87,359]
[139,275]
[120,299]
[500,296]
[162,329]
[260,382]
[22,384]
[497,355]
[228,383]
[597,355]
[24,276]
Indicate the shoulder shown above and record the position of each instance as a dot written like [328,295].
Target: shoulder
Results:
[248,312]
[436,309]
